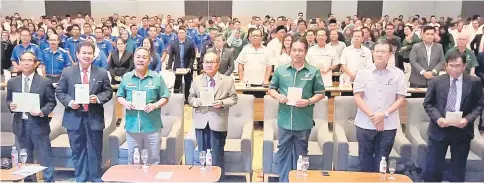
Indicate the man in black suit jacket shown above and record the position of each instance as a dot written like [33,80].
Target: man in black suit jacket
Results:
[452,92]
[476,43]
[85,122]
[183,59]
[32,129]
[480,74]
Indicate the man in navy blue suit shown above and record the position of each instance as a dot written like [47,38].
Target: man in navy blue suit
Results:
[451,92]
[480,74]
[85,122]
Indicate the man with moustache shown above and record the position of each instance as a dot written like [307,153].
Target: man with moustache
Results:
[32,129]
[85,122]
[211,122]
[55,59]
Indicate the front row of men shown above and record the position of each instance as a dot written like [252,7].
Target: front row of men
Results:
[379,91]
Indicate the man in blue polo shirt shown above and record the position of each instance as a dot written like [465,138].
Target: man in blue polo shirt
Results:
[87,31]
[26,45]
[157,43]
[168,36]
[143,31]
[137,39]
[72,42]
[102,43]
[191,30]
[55,59]
[201,37]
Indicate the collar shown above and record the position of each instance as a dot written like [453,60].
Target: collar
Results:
[88,69]
[148,74]
[458,78]
[31,76]
[215,77]
[304,66]
[30,44]
[52,51]
[374,69]
[324,46]
[431,44]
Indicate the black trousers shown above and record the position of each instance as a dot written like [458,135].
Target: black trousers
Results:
[188,83]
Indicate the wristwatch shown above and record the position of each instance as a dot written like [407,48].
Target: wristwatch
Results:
[309,102]
[386,114]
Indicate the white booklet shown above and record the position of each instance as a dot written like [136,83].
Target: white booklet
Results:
[26,102]
[82,93]
[28,170]
[453,118]
[164,175]
[138,99]
[293,95]
[207,96]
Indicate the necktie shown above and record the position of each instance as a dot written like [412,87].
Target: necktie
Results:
[26,90]
[85,80]
[212,82]
[218,52]
[452,97]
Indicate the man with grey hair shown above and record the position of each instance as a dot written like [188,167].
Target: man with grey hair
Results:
[226,65]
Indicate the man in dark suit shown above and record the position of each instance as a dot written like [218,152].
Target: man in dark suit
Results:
[85,122]
[477,43]
[182,55]
[480,73]
[451,92]
[226,55]
[32,129]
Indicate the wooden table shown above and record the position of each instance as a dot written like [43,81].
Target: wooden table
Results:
[343,176]
[7,176]
[181,173]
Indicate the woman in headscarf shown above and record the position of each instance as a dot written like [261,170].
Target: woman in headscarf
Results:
[100,58]
[348,33]
[446,39]
[235,42]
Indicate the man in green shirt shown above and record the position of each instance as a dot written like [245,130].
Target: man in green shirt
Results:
[142,92]
[469,54]
[295,118]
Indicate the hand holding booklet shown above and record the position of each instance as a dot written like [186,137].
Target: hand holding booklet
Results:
[207,96]
[138,100]
[26,102]
[82,93]
[293,95]
[453,118]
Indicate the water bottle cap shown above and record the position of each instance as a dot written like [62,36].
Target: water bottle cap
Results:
[208,150]
[13,147]
[300,156]
[383,158]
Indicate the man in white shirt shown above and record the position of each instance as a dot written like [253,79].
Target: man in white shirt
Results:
[255,66]
[379,91]
[275,45]
[354,58]
[433,21]
[322,56]
[334,42]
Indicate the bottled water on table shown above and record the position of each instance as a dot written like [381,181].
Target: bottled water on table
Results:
[14,157]
[209,160]
[383,169]
[300,168]
[136,158]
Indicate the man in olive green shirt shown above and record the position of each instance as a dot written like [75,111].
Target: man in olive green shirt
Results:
[295,119]
[143,122]
[462,49]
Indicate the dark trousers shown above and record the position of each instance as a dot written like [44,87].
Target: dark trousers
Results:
[291,144]
[209,139]
[86,145]
[188,82]
[41,142]
[54,78]
[435,164]
[257,94]
[372,146]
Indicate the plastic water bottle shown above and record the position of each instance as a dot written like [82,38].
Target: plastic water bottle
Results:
[14,157]
[136,158]
[383,169]
[300,171]
[208,158]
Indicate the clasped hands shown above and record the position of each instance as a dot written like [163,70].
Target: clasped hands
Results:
[300,103]
[442,124]
[216,104]
[378,119]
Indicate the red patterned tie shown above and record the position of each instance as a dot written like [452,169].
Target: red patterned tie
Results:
[85,80]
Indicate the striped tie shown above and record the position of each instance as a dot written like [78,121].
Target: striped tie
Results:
[212,82]
[452,97]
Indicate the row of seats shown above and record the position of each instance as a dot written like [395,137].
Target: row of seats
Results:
[327,151]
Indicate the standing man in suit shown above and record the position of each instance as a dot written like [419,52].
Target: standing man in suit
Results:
[85,122]
[211,122]
[452,92]
[477,44]
[32,129]
[226,65]
[182,55]
[426,59]
[480,74]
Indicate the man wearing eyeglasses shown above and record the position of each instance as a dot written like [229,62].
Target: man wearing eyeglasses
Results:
[379,91]
[211,119]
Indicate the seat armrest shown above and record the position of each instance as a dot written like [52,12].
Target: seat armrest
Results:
[55,129]
[247,146]
[477,146]
[325,141]
[174,143]
[268,146]
[116,139]
[190,142]
[419,146]
[341,150]
[402,145]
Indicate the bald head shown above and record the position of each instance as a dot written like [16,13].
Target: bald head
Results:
[462,40]
[211,63]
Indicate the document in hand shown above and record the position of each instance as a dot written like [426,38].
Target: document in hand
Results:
[82,93]
[293,95]
[328,77]
[138,99]
[207,96]
[26,102]
[453,118]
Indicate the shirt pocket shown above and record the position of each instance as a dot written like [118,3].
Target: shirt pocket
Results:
[151,94]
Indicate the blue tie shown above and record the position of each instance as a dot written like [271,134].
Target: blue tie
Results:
[452,97]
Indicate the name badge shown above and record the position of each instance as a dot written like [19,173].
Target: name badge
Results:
[307,76]
[131,85]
